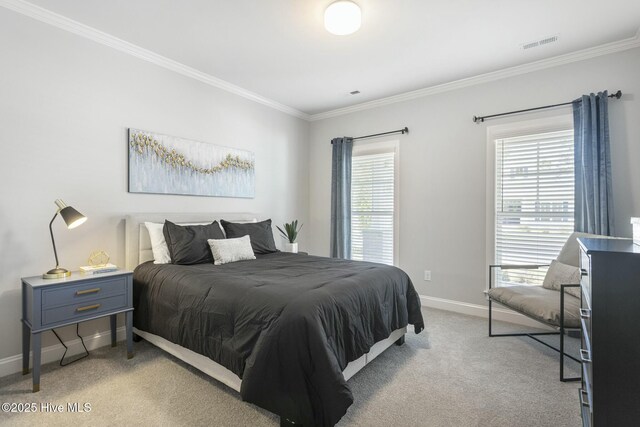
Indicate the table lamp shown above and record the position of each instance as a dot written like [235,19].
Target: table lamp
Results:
[72,218]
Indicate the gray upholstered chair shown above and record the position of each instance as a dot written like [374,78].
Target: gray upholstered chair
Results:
[558,308]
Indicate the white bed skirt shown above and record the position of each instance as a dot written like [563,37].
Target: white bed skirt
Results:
[225,376]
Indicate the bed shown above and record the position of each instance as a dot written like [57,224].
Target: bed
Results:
[285,330]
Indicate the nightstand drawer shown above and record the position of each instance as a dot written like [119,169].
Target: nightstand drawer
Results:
[77,312]
[77,294]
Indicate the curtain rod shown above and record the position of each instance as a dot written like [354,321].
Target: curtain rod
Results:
[481,119]
[402,131]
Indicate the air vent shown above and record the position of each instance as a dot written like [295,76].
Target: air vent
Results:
[541,42]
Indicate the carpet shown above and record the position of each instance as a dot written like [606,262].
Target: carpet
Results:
[451,374]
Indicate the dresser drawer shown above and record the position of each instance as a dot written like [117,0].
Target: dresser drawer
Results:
[585,410]
[585,279]
[586,336]
[90,290]
[587,387]
[81,310]
[586,356]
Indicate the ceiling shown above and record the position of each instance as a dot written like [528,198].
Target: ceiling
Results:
[280,50]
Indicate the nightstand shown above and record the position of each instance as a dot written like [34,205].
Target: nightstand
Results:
[53,303]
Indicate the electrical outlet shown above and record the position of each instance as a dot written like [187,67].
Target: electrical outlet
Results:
[427,275]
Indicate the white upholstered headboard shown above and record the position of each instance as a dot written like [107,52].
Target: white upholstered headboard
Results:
[138,244]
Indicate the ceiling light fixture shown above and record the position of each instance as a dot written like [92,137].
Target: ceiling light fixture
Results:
[342,17]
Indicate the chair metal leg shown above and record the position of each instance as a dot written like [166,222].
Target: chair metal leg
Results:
[533,335]
[490,334]
[561,334]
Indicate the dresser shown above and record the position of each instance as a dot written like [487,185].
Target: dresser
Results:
[610,318]
[53,303]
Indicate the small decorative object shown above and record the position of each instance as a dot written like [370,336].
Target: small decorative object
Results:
[635,222]
[98,259]
[72,218]
[290,233]
[163,164]
[104,268]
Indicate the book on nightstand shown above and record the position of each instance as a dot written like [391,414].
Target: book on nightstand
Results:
[98,269]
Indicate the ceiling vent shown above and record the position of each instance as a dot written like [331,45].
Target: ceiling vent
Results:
[541,42]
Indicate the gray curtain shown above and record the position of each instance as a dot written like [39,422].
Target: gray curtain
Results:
[593,194]
[341,198]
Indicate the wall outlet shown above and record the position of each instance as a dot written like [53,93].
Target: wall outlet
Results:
[427,275]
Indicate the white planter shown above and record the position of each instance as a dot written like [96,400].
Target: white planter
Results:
[291,247]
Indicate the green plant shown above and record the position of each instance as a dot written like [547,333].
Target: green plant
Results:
[291,232]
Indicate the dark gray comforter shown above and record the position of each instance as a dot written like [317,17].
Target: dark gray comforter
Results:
[287,324]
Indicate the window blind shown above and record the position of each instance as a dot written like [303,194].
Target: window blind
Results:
[534,202]
[372,207]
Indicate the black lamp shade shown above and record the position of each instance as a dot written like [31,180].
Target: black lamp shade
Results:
[72,217]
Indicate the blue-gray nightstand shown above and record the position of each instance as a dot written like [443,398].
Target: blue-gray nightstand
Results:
[53,303]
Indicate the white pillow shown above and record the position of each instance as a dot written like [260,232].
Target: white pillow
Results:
[562,274]
[158,243]
[231,250]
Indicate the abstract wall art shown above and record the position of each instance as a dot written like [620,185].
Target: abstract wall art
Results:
[163,164]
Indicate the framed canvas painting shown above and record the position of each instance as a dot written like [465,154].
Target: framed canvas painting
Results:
[163,164]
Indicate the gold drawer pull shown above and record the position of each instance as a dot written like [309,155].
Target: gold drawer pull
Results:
[87,291]
[89,307]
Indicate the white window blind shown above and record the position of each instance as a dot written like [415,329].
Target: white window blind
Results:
[534,202]
[372,207]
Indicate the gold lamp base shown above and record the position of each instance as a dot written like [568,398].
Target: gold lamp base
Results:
[56,273]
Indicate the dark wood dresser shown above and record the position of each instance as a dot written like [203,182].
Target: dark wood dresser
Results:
[610,316]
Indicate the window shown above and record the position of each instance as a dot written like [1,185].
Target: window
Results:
[373,202]
[534,201]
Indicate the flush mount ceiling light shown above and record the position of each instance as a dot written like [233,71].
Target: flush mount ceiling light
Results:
[342,17]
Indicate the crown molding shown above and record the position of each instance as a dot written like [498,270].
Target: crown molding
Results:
[580,55]
[75,27]
[44,15]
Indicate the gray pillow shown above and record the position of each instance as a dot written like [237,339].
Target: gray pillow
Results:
[259,232]
[562,274]
[188,244]
[570,251]
[231,250]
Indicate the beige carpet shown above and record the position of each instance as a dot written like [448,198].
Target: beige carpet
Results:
[452,375]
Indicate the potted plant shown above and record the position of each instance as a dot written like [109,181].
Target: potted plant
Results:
[290,233]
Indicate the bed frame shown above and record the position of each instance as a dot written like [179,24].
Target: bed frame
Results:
[138,250]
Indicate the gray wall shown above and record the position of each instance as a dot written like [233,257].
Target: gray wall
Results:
[65,106]
[443,218]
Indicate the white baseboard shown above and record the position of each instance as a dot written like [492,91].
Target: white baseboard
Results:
[501,314]
[12,364]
